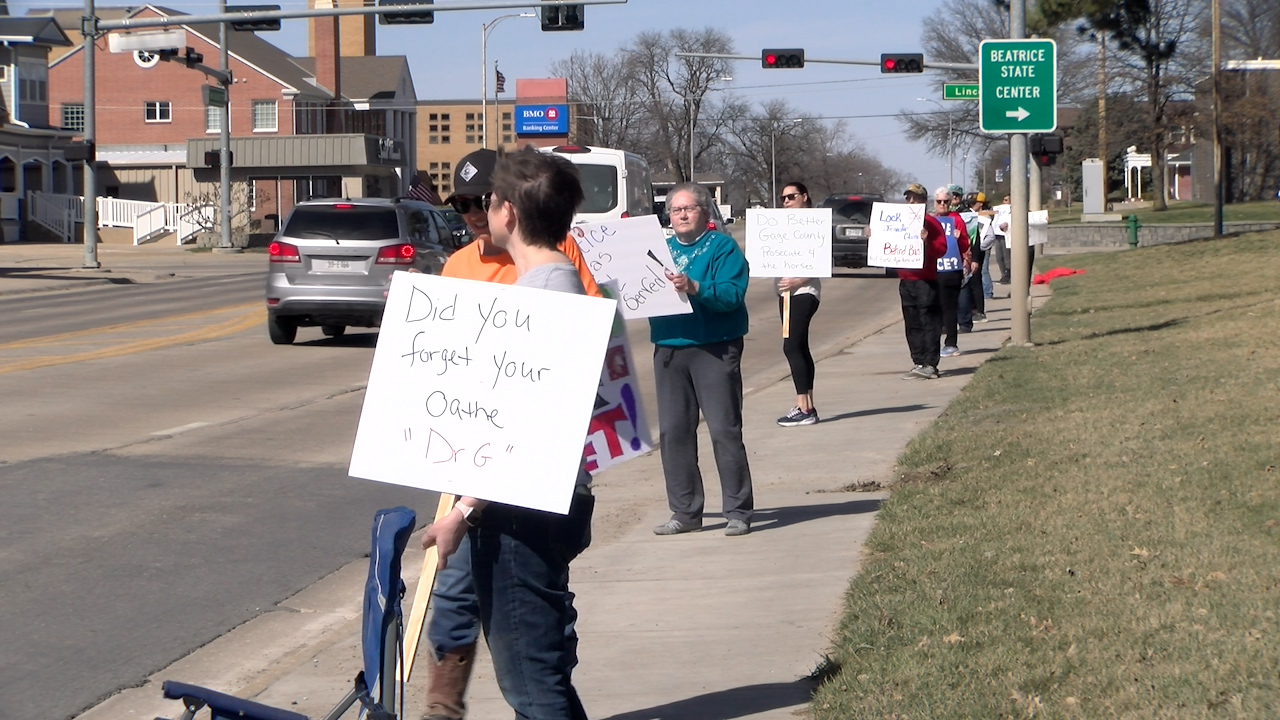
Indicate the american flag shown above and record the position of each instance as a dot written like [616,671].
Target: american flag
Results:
[500,80]
[424,190]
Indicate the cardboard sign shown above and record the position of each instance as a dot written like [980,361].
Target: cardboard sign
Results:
[619,429]
[482,389]
[785,242]
[1037,227]
[633,252]
[895,236]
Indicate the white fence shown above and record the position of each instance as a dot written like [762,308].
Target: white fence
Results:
[148,220]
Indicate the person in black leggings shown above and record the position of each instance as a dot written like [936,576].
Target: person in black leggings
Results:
[802,295]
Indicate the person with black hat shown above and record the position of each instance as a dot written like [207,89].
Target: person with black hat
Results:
[454,627]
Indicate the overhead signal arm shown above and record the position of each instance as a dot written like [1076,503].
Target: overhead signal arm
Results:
[972,67]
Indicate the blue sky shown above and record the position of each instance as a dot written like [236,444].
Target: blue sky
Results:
[445,56]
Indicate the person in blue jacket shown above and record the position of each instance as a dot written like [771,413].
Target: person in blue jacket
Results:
[697,366]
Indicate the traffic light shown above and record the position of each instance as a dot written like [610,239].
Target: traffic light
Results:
[404,18]
[901,62]
[192,58]
[1045,149]
[774,58]
[254,25]
[213,158]
[563,17]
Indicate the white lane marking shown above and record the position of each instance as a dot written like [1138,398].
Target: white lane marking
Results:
[180,429]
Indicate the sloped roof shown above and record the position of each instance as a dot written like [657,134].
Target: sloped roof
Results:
[245,46]
[33,30]
[368,77]
[69,21]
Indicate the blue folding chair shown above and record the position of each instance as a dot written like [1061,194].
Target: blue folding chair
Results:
[381,641]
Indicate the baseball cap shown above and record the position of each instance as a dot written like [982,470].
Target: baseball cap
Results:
[473,175]
[955,190]
[980,197]
[916,189]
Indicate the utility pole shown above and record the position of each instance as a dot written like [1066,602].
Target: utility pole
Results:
[1019,256]
[89,29]
[224,133]
[1217,118]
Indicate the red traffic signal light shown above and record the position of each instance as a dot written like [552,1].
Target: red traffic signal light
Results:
[901,62]
[773,59]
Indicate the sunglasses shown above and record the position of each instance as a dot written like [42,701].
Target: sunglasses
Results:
[790,196]
[464,204]
[942,202]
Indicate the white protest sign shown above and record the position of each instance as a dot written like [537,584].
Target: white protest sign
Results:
[1037,227]
[634,252]
[895,236]
[789,242]
[482,389]
[618,430]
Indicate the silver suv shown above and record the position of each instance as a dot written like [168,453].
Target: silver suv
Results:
[331,263]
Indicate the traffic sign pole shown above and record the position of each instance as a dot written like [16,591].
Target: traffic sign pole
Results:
[1019,255]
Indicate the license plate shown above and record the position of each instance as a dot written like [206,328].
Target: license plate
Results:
[334,266]
[853,232]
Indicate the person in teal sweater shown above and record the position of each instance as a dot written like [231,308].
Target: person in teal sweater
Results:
[697,366]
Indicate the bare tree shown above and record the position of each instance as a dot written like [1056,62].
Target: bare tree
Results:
[602,90]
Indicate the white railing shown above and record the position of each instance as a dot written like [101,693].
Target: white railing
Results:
[192,219]
[73,204]
[150,223]
[54,215]
[114,212]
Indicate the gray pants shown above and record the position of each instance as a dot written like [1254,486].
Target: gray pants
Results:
[706,378]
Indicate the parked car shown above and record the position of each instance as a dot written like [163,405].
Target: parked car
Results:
[331,263]
[457,225]
[850,217]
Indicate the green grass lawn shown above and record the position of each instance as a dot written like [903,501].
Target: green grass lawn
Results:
[1185,212]
[1092,528]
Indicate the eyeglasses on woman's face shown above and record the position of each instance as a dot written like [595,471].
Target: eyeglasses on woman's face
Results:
[690,209]
[463,203]
[790,196]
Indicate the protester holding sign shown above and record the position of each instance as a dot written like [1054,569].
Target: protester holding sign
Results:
[520,557]
[952,265]
[454,627]
[797,304]
[918,289]
[697,366]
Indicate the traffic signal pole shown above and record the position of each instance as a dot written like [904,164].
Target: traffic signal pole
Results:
[89,29]
[872,63]
[224,137]
[1019,255]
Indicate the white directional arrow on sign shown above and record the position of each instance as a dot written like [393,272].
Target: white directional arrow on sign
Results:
[1020,113]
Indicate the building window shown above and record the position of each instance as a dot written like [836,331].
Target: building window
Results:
[471,127]
[506,139]
[506,116]
[264,115]
[471,117]
[73,117]
[213,120]
[157,111]
[444,117]
[506,127]
[444,139]
[433,117]
[471,140]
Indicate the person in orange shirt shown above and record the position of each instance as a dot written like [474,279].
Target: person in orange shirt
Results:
[454,628]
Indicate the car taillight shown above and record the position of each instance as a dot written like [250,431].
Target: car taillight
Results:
[395,255]
[711,224]
[281,252]
[625,214]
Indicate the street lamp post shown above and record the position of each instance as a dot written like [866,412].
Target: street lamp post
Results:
[951,163]
[484,73]
[773,159]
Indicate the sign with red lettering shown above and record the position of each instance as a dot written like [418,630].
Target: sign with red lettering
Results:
[633,253]
[619,430]
[482,389]
[895,236]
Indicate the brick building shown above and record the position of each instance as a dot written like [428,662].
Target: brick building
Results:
[325,126]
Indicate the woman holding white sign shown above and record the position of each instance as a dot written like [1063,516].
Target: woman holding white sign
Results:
[797,304]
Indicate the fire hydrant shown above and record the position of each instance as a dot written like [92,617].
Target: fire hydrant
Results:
[1133,224]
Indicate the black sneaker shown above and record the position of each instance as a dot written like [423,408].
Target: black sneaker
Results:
[798,417]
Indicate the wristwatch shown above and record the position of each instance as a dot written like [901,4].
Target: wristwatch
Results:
[470,515]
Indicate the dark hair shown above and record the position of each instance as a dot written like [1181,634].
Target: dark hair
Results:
[544,190]
[800,187]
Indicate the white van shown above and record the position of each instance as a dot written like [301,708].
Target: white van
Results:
[615,183]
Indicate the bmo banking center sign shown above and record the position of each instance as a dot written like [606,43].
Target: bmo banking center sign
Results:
[542,120]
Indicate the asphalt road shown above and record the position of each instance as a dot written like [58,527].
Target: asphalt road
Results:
[162,487]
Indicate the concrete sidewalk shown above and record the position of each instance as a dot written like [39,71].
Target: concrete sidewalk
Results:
[690,627]
[51,267]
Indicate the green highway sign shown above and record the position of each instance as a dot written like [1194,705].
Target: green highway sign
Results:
[959,91]
[1018,86]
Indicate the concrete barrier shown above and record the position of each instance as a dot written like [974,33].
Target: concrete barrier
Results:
[1117,235]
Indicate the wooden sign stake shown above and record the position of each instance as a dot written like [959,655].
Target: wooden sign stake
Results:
[421,598]
[786,315]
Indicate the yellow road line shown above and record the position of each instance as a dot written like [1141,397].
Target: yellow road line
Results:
[56,339]
[230,327]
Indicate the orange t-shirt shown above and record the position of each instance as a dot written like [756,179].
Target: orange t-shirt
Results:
[469,264]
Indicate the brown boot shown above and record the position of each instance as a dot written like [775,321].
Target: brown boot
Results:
[447,684]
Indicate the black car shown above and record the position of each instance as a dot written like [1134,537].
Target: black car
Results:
[850,217]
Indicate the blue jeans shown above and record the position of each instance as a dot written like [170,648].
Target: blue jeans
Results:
[988,288]
[520,561]
[455,609]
